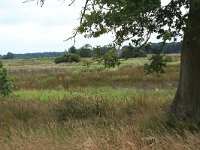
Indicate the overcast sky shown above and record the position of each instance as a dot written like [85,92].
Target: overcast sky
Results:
[26,27]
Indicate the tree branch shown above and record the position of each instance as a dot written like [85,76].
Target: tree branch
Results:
[72,2]
[38,1]
[28,1]
[73,37]
[84,10]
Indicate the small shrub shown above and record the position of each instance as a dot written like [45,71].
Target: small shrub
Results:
[157,64]
[131,52]
[111,60]
[168,59]
[5,82]
[67,58]
[99,53]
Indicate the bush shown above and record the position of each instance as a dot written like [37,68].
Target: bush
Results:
[168,59]
[67,58]
[85,53]
[111,60]
[131,52]
[72,50]
[99,52]
[157,63]
[5,82]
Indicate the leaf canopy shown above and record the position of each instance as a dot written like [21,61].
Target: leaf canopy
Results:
[134,20]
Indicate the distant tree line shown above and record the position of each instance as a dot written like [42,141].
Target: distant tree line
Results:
[168,48]
[88,51]
[127,51]
[37,55]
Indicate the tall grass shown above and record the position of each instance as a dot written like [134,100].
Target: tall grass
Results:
[80,122]
[127,76]
[64,107]
[106,93]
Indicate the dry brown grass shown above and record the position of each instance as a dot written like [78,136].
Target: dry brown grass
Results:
[123,138]
[126,125]
[127,76]
[89,120]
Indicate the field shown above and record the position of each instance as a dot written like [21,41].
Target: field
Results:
[71,106]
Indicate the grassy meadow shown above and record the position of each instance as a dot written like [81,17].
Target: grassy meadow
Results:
[72,107]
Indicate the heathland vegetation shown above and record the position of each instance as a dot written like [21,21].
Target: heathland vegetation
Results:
[77,106]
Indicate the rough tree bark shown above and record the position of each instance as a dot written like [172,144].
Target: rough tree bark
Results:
[186,104]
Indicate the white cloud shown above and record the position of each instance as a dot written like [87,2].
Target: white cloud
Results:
[26,27]
[30,28]
[165,2]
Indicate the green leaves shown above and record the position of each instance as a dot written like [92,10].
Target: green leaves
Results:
[134,20]
[5,82]
[131,52]
[157,63]
[67,58]
[110,59]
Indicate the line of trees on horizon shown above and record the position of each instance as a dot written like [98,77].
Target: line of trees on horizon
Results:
[87,51]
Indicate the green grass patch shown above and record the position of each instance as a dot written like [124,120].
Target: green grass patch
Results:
[105,93]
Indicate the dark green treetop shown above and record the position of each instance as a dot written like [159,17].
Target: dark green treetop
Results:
[134,20]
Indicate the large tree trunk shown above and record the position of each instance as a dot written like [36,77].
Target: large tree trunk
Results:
[186,104]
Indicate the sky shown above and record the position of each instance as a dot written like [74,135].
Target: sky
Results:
[28,28]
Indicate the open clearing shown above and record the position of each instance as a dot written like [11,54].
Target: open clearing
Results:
[71,106]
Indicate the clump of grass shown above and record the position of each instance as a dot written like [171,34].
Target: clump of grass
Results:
[82,109]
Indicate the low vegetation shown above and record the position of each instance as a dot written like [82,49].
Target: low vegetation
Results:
[111,59]
[67,58]
[5,82]
[157,63]
[120,108]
